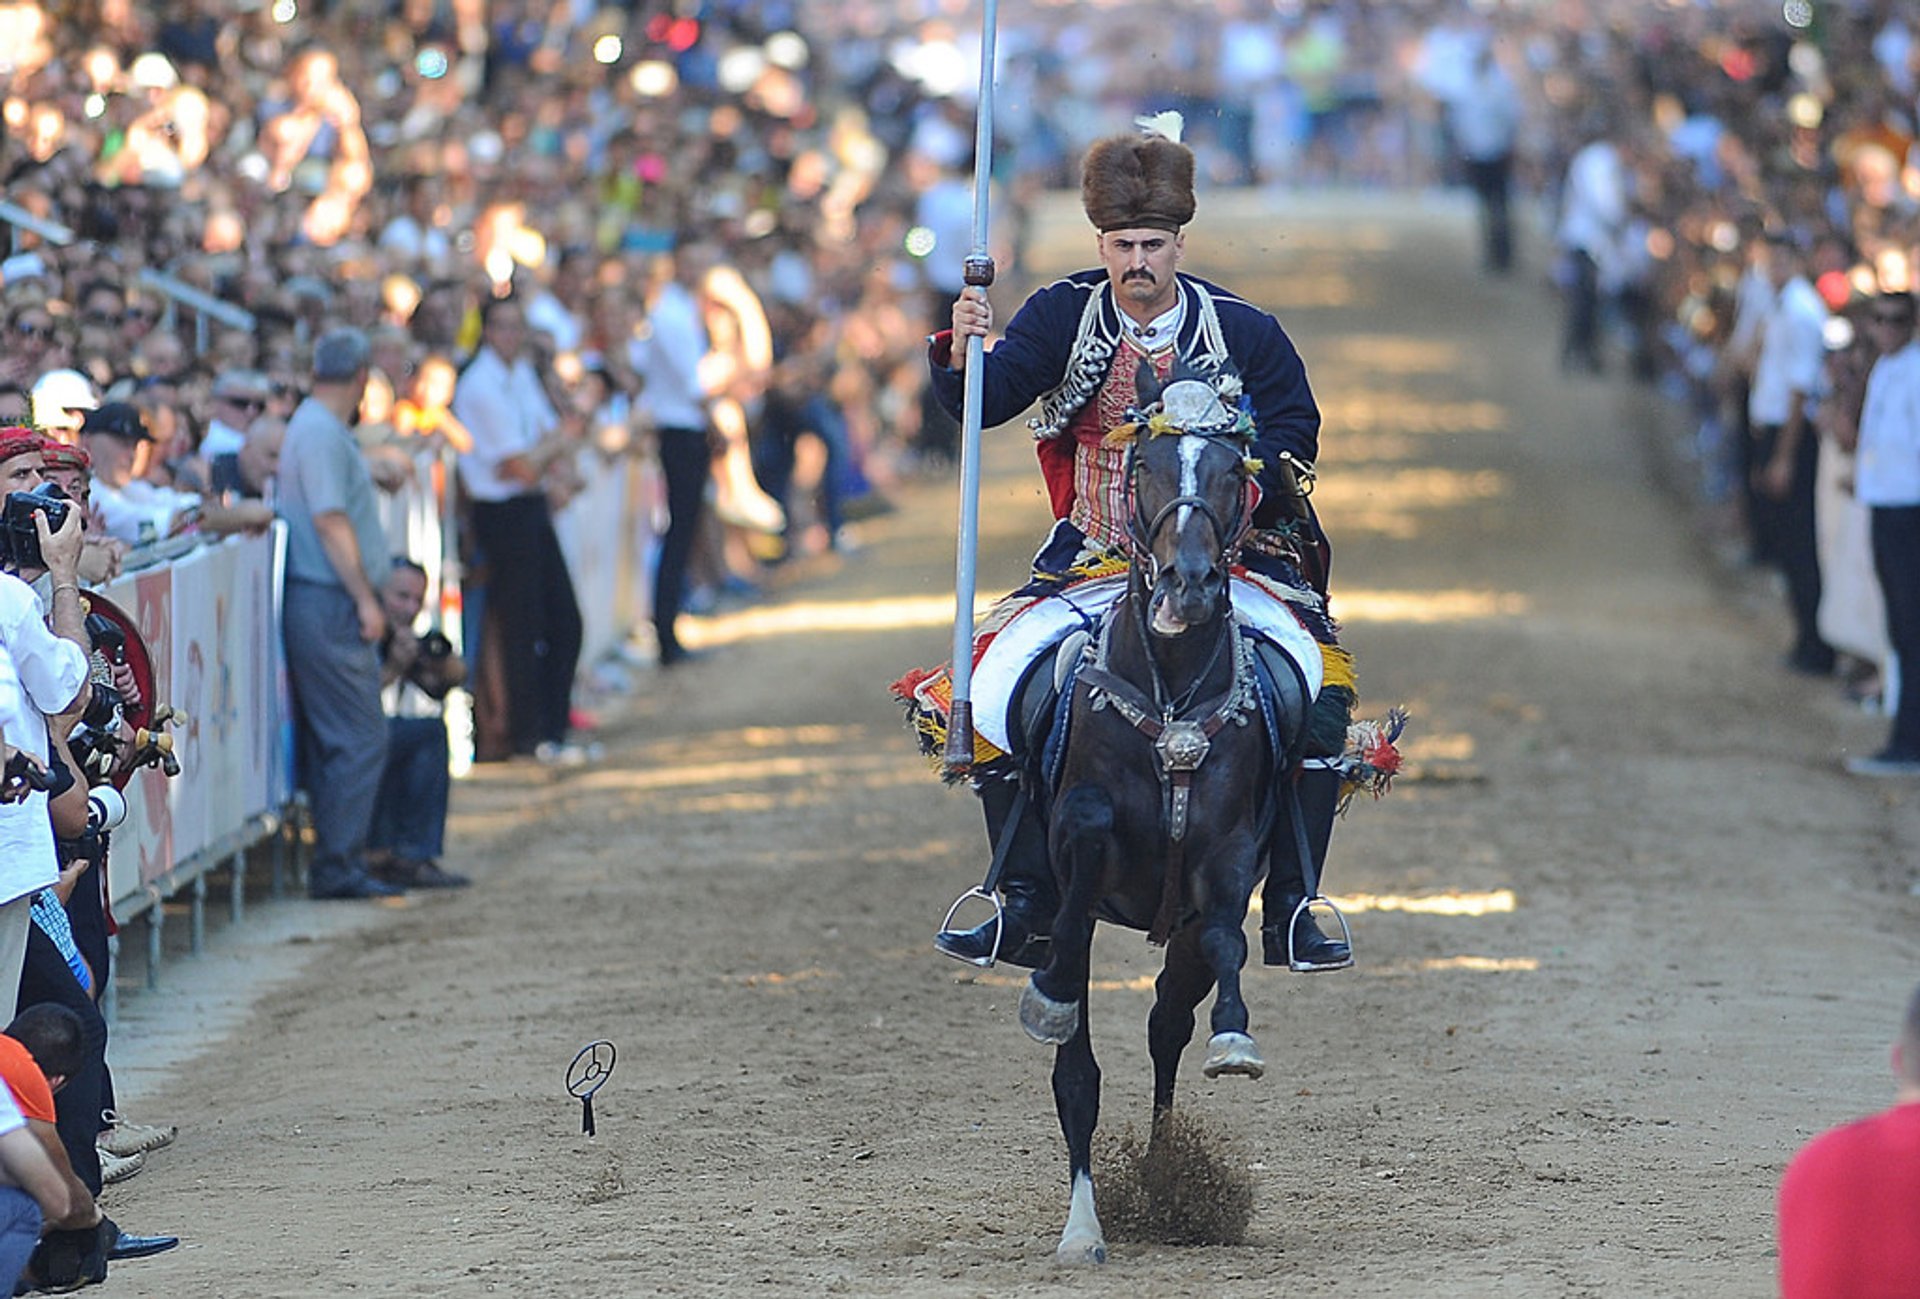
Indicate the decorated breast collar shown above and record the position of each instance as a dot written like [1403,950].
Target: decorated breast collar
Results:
[1201,343]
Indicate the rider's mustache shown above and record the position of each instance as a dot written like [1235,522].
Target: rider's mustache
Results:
[1137,275]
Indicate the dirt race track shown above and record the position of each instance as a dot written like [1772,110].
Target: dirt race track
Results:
[1626,934]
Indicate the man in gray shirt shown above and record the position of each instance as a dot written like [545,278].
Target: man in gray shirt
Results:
[332,616]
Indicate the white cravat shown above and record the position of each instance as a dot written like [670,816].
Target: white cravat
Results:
[1159,331]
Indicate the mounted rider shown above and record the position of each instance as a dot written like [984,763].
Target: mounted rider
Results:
[1076,346]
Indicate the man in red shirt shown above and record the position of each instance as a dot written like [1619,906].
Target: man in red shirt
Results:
[1850,1200]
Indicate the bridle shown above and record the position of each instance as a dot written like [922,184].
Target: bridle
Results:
[1140,540]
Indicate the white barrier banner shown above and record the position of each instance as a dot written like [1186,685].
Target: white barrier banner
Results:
[209,623]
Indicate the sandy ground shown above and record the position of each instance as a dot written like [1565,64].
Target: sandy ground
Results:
[1626,933]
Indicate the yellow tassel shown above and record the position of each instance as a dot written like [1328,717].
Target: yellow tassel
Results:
[1120,434]
[1336,668]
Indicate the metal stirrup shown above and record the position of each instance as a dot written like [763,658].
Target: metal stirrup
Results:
[989,888]
[1306,906]
[999,926]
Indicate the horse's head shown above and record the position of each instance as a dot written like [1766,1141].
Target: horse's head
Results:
[1188,472]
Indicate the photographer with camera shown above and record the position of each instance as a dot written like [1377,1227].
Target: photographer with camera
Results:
[43,673]
[71,470]
[416,672]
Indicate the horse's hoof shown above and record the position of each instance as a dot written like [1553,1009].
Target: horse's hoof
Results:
[1048,1022]
[1232,1053]
[1078,1251]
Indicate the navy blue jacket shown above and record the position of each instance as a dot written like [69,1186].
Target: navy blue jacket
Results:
[1031,358]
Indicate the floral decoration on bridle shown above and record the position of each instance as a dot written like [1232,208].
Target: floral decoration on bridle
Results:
[1190,406]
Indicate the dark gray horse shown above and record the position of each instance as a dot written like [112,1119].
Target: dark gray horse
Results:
[1164,789]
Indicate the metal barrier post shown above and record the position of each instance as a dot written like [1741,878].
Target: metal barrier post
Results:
[156,918]
[197,916]
[237,887]
[277,861]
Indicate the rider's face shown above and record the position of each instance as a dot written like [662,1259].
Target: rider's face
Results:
[1141,264]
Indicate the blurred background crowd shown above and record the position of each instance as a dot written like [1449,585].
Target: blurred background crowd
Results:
[195,190]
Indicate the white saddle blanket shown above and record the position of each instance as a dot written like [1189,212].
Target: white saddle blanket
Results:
[1043,624]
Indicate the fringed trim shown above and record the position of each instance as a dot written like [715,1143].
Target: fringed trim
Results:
[1337,669]
[927,694]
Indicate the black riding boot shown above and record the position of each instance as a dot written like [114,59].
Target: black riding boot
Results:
[1026,884]
[1286,884]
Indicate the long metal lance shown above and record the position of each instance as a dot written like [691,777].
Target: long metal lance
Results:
[958,755]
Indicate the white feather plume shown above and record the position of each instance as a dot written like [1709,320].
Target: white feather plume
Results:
[1169,124]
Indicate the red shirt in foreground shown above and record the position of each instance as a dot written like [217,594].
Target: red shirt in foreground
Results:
[24,1079]
[1850,1212]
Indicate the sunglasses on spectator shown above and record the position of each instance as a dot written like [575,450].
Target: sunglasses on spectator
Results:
[255,404]
[1891,318]
[140,313]
[27,329]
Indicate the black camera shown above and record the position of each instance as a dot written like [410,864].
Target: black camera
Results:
[435,646]
[19,540]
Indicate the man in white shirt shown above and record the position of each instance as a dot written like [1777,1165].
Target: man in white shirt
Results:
[1786,377]
[674,396]
[1886,479]
[1484,118]
[1593,211]
[530,617]
[42,672]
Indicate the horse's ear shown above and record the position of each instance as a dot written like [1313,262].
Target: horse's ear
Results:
[1146,387]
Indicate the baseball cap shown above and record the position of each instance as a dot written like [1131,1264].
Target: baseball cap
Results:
[117,419]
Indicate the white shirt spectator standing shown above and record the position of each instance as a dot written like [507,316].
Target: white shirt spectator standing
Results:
[1484,118]
[1787,374]
[1887,481]
[531,629]
[1593,211]
[674,396]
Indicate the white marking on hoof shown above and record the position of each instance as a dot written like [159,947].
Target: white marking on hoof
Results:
[1232,1053]
[1048,1022]
[1081,1243]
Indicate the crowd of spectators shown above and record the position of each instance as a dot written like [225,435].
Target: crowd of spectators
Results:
[1735,201]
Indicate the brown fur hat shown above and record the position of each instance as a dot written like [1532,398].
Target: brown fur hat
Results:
[1143,181]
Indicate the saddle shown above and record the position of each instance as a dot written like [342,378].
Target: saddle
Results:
[1042,711]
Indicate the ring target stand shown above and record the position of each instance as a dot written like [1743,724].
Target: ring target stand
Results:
[590,1069]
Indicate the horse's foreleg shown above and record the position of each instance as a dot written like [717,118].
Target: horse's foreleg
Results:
[1082,837]
[1223,946]
[1076,1095]
[1184,980]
